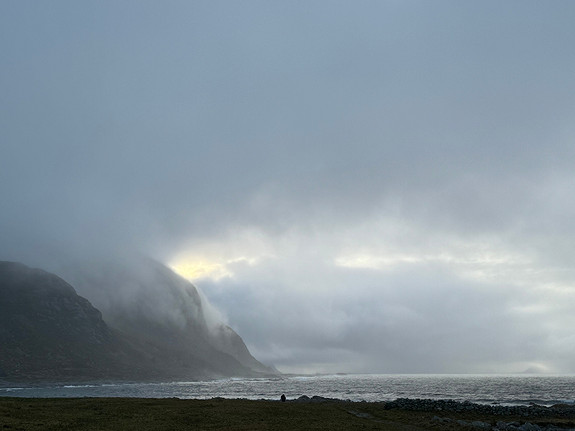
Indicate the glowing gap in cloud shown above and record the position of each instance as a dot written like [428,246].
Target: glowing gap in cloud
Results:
[198,269]
[481,265]
[374,262]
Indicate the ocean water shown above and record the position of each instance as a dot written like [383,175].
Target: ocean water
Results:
[485,389]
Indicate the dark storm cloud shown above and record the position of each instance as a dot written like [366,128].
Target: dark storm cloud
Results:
[176,127]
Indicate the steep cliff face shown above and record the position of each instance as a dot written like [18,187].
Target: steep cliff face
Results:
[227,340]
[48,331]
[152,327]
[149,302]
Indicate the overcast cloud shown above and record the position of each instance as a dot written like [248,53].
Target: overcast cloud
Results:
[373,186]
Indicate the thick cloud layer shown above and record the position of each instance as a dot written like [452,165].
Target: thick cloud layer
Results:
[372,186]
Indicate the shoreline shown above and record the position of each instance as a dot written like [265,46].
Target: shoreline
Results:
[428,404]
[315,413]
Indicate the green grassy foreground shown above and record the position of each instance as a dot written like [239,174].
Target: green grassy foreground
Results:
[174,414]
[217,414]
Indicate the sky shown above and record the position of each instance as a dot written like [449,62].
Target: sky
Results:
[366,186]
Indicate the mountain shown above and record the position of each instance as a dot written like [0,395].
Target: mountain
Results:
[149,302]
[149,324]
[47,331]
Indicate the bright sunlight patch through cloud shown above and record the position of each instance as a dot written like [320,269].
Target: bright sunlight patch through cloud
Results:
[197,269]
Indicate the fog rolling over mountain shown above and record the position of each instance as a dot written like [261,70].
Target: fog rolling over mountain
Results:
[143,322]
[47,331]
[151,303]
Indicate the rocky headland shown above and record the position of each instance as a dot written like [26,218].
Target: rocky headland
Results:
[149,325]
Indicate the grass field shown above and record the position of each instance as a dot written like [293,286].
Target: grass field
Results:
[217,414]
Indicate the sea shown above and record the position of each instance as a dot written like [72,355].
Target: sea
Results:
[484,389]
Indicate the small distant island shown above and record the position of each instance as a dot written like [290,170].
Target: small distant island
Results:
[149,324]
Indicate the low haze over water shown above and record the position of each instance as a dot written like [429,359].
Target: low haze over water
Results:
[502,389]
